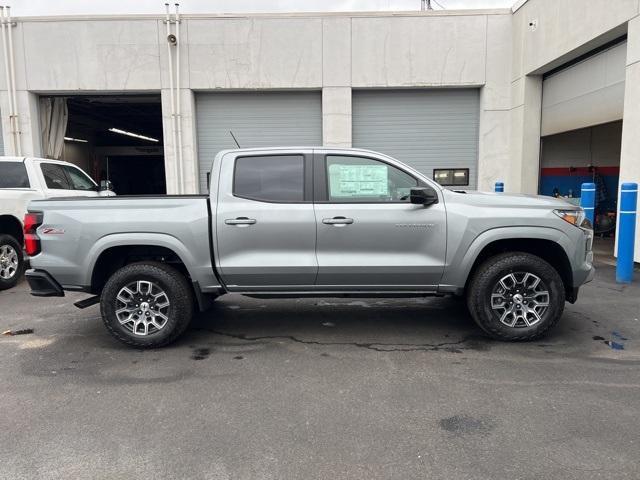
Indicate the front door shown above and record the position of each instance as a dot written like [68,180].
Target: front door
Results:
[265,223]
[369,236]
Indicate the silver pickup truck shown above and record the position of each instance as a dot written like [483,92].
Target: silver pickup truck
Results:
[283,222]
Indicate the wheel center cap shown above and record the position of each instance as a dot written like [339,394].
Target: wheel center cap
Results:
[144,306]
[517,299]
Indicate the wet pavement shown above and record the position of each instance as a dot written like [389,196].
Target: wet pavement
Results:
[323,388]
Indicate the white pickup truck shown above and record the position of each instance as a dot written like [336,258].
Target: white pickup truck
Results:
[25,179]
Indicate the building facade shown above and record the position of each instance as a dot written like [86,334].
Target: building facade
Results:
[530,95]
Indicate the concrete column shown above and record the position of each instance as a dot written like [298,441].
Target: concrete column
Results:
[29,123]
[630,153]
[336,116]
[526,110]
[185,178]
[336,81]
[495,102]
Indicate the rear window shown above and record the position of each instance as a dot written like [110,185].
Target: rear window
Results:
[270,178]
[13,175]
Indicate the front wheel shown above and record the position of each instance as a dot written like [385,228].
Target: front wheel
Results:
[516,296]
[11,262]
[146,305]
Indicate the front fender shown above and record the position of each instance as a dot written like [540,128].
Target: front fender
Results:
[461,261]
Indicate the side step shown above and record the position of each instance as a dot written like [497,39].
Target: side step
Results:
[87,302]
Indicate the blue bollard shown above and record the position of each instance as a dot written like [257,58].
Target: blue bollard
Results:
[499,186]
[588,200]
[626,232]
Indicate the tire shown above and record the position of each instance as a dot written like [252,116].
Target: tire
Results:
[148,323]
[503,304]
[11,262]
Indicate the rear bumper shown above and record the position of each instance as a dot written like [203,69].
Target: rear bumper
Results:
[42,284]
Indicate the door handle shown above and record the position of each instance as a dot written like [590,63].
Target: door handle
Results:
[240,221]
[337,221]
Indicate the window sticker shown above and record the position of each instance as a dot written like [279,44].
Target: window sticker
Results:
[358,180]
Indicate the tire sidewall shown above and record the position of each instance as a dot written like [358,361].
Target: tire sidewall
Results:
[13,243]
[493,271]
[180,307]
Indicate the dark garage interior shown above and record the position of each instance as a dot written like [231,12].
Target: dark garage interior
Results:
[117,138]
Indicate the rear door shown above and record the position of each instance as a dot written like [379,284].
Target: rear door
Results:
[265,222]
[369,236]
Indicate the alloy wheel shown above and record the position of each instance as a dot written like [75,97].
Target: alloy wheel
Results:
[142,307]
[8,262]
[520,299]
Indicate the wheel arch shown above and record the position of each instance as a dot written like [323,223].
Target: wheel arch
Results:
[11,225]
[550,251]
[550,244]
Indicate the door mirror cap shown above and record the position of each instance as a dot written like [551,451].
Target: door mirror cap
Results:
[423,196]
[106,185]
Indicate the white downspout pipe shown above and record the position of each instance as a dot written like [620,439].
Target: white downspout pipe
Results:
[178,108]
[8,79]
[13,83]
[171,95]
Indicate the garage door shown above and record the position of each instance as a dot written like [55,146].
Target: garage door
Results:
[427,129]
[591,92]
[258,119]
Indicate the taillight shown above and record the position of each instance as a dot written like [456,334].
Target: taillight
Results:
[32,221]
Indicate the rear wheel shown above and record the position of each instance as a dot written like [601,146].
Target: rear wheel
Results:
[146,305]
[11,261]
[516,296]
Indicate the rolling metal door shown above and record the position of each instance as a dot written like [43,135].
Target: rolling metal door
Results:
[426,129]
[257,119]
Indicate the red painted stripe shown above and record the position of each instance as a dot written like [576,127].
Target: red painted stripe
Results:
[575,171]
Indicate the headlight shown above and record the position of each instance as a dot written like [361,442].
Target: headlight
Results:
[575,217]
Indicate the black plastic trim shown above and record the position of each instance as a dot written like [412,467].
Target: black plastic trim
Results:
[43,284]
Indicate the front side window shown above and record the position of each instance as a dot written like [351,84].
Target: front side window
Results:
[13,175]
[365,180]
[277,178]
[55,177]
[79,180]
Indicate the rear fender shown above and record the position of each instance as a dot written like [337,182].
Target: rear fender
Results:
[151,239]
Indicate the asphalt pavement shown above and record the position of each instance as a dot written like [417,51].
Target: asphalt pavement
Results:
[323,389]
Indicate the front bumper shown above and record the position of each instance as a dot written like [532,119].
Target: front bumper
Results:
[42,284]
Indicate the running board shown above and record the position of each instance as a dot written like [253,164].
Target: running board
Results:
[87,302]
[372,294]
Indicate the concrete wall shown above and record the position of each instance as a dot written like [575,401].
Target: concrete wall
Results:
[547,34]
[334,53]
[502,52]
[630,156]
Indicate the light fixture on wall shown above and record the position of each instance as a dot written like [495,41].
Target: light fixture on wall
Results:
[131,134]
[79,140]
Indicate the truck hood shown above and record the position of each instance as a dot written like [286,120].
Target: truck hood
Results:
[490,199]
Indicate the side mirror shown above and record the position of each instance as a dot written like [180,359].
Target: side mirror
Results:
[106,185]
[423,196]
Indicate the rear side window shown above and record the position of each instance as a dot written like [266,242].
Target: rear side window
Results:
[270,178]
[13,175]
[54,176]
